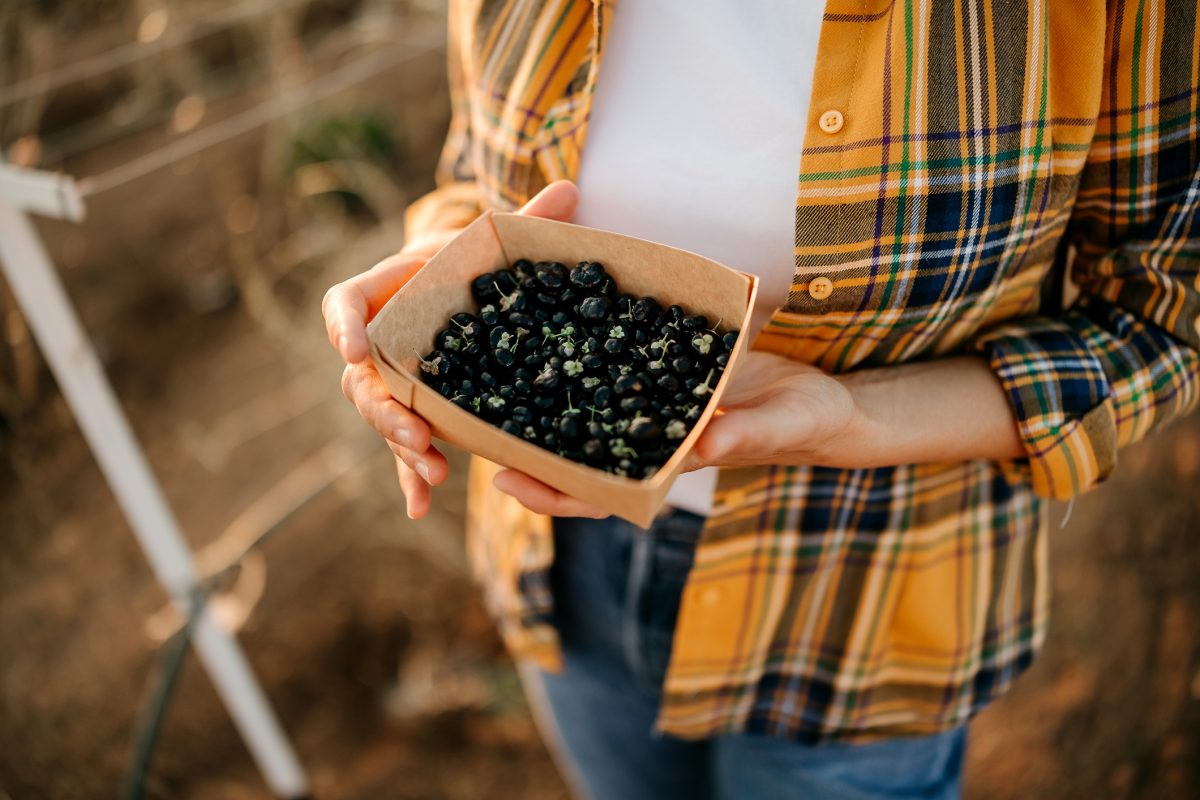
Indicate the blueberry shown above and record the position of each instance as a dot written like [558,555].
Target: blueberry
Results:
[613,346]
[668,383]
[694,323]
[681,365]
[521,415]
[505,358]
[510,426]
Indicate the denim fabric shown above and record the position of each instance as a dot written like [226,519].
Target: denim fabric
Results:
[617,590]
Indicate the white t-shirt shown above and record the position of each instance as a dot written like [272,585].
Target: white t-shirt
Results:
[695,138]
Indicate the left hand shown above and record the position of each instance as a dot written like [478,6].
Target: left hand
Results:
[774,411]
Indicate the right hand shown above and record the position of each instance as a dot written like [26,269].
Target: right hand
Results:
[350,305]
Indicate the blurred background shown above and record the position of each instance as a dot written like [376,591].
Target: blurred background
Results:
[296,133]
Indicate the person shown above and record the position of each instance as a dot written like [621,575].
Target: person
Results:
[983,281]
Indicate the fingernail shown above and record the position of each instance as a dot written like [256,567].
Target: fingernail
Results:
[408,509]
[402,437]
[423,470]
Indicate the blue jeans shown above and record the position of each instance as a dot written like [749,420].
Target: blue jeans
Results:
[617,590]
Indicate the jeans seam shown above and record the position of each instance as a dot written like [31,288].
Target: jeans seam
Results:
[632,639]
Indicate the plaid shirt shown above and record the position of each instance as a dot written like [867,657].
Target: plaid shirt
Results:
[984,147]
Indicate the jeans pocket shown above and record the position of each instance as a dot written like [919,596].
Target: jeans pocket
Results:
[657,608]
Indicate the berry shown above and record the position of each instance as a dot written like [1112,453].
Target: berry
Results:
[595,307]
[561,358]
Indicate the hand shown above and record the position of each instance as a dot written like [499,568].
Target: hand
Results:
[779,411]
[350,305]
[775,410]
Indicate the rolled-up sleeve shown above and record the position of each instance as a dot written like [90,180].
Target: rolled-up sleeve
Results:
[1124,359]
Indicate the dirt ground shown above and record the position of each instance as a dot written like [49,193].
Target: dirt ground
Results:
[363,626]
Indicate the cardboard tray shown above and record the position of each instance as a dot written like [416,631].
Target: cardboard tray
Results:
[406,326]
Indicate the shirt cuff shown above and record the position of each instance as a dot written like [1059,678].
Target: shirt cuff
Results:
[452,205]
[1061,397]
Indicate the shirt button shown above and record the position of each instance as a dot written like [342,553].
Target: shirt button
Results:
[820,288]
[831,121]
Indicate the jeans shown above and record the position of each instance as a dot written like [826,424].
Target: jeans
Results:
[617,590]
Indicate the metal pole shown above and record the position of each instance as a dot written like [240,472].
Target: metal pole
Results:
[75,365]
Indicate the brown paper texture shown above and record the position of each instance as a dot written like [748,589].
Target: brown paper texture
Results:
[405,327]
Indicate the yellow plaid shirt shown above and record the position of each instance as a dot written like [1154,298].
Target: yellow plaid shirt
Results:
[980,144]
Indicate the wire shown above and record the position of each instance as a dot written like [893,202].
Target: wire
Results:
[150,718]
[218,133]
[127,54]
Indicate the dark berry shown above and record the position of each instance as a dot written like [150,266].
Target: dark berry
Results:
[568,427]
[644,429]
[550,274]
[627,384]
[547,380]
[595,307]
[587,274]
[602,396]
[636,402]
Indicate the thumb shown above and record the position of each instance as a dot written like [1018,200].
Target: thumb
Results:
[556,201]
[734,433]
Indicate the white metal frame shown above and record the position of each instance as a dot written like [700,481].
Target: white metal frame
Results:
[72,359]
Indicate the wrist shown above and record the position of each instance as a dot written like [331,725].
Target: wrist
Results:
[861,443]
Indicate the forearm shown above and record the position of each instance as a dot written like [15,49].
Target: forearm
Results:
[950,409]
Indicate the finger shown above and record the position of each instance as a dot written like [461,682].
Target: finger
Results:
[351,304]
[557,201]
[417,495]
[366,390]
[431,465]
[541,499]
[345,309]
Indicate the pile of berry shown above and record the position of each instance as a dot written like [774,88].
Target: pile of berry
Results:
[562,359]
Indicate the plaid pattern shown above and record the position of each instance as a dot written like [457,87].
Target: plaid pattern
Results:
[986,145]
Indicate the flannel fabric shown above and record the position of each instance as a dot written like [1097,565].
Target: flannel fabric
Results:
[986,148]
